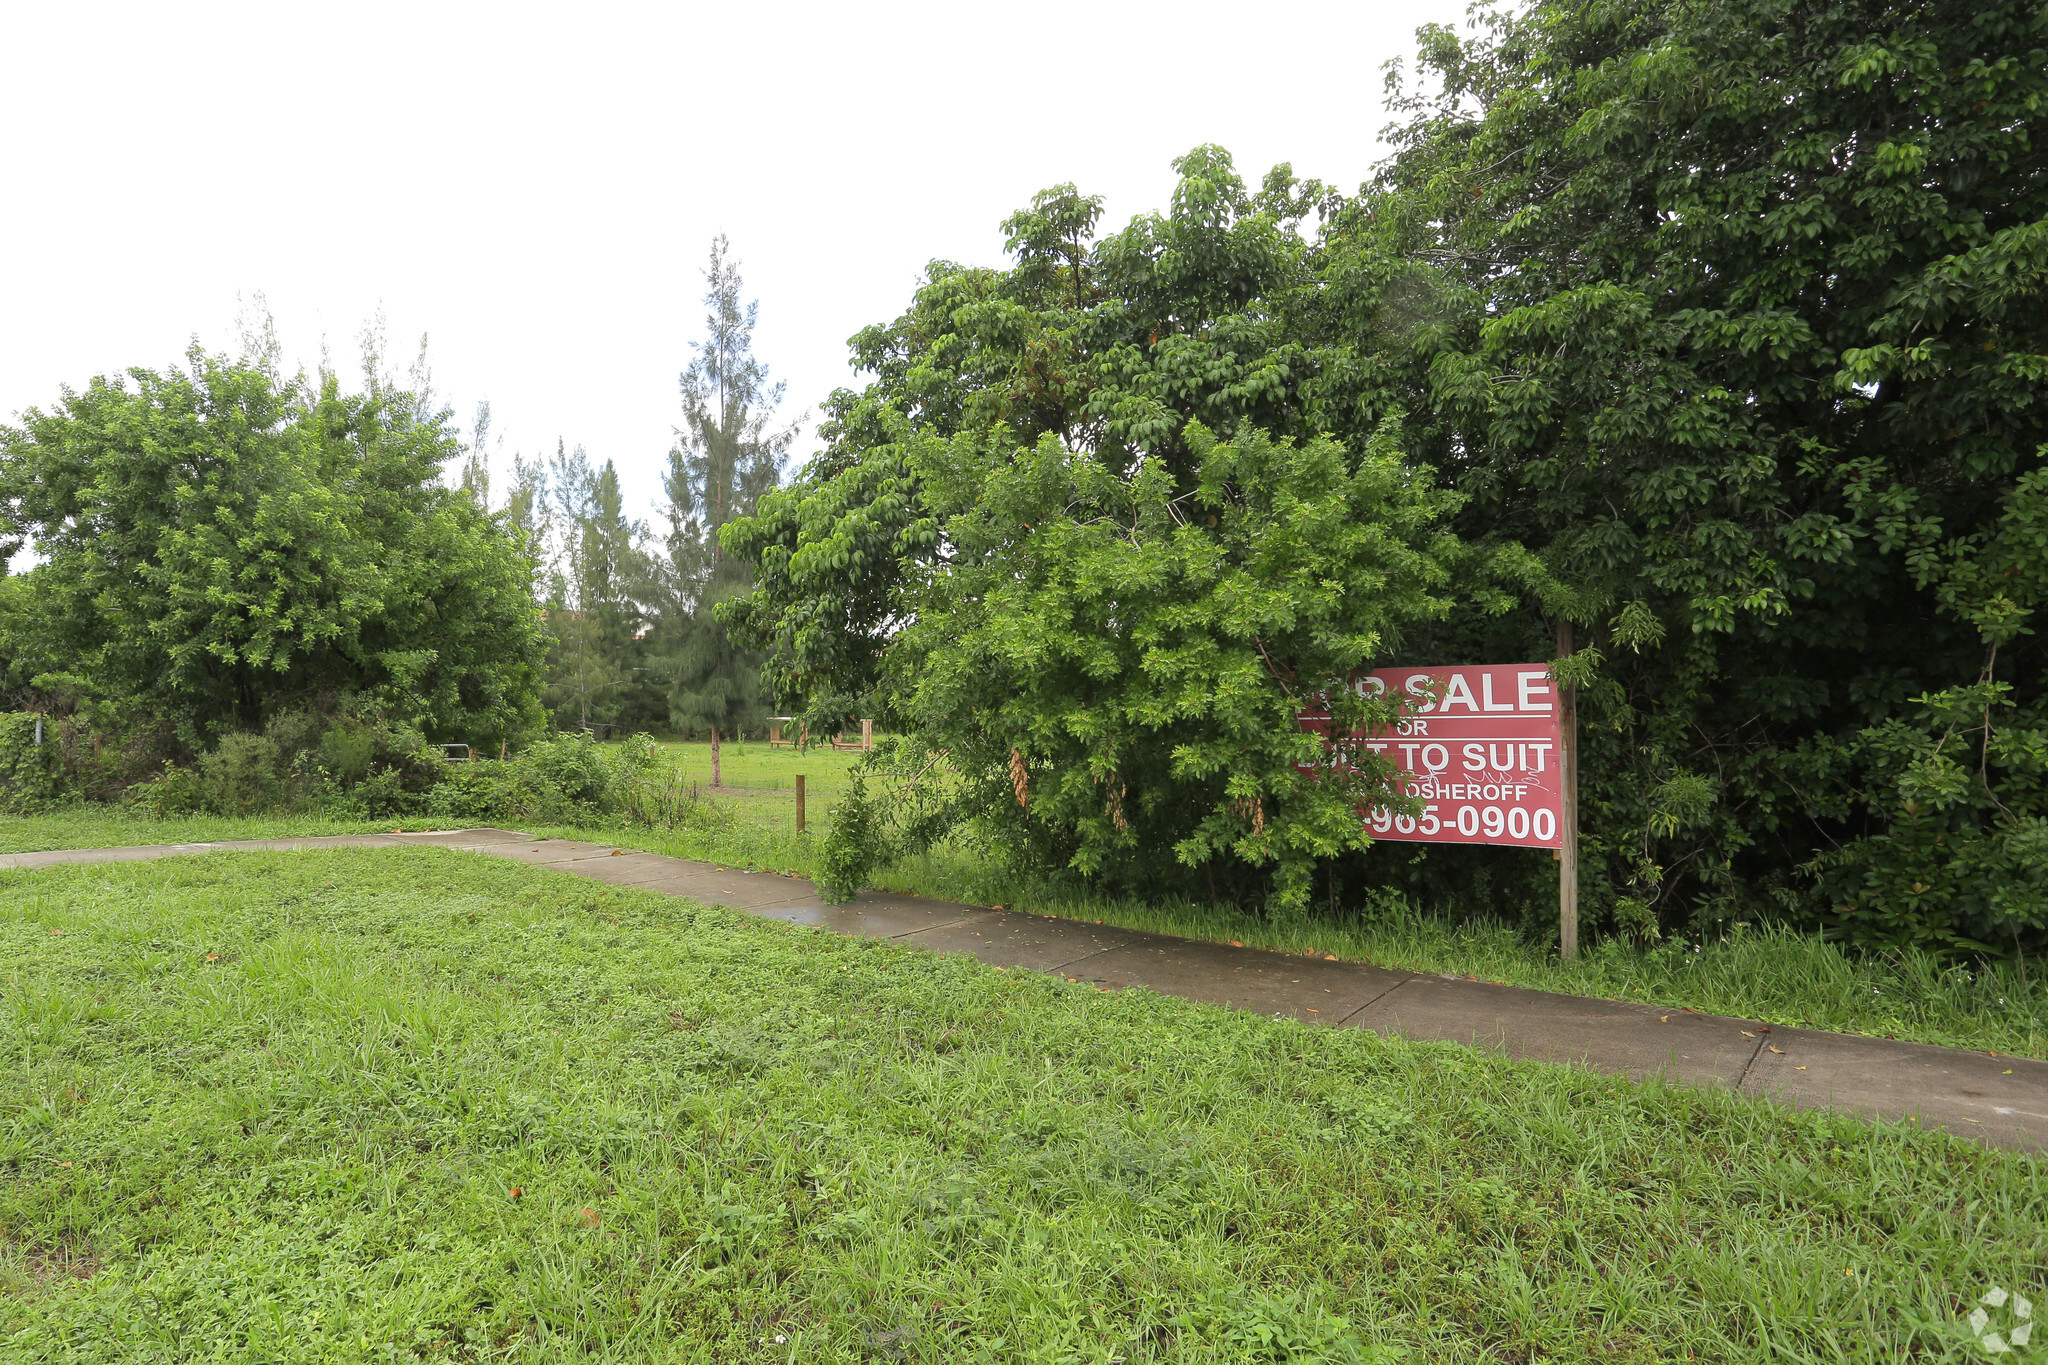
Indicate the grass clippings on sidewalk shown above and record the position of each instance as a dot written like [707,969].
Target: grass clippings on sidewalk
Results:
[422,1105]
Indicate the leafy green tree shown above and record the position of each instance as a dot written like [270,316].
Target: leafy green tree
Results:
[220,542]
[728,452]
[1111,666]
[475,478]
[1736,313]
[1114,346]
[595,564]
[1726,322]
[528,513]
[604,561]
[1082,538]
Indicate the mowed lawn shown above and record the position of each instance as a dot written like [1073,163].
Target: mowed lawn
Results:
[756,765]
[422,1105]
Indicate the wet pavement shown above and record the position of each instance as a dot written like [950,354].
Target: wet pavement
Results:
[1999,1100]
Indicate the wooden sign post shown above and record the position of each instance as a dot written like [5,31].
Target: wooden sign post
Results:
[799,803]
[1568,817]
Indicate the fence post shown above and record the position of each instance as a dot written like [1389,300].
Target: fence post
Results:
[799,803]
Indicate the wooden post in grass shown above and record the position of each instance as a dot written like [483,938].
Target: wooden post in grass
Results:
[799,803]
[1568,821]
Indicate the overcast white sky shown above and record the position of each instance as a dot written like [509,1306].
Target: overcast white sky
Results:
[536,187]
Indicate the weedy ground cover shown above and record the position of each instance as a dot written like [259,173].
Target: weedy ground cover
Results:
[422,1105]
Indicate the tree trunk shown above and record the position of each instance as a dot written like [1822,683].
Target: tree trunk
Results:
[715,780]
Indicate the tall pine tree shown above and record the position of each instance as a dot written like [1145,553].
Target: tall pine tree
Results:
[728,452]
[574,511]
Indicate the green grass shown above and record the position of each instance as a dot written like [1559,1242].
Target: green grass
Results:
[1775,976]
[273,1107]
[90,826]
[753,764]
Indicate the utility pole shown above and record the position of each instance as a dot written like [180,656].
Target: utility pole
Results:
[1568,854]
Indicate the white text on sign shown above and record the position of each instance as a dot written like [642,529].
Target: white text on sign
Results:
[1478,746]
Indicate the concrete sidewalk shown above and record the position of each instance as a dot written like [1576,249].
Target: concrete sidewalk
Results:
[1999,1100]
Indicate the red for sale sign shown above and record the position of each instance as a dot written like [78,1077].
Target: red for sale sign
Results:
[1479,746]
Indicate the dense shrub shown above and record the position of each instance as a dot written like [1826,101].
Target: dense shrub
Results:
[352,763]
[240,776]
[222,543]
[51,758]
[481,793]
[29,777]
[565,779]
[573,767]
[857,842]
